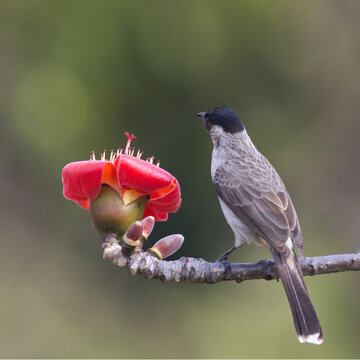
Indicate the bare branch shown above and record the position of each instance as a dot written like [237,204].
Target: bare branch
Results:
[201,271]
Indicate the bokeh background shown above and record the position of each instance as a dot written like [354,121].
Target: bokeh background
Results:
[76,74]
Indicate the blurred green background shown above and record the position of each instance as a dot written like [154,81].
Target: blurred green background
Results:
[76,74]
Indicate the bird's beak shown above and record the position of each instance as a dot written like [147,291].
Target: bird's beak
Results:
[201,115]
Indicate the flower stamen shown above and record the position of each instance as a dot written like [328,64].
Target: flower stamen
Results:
[128,151]
[129,137]
[112,156]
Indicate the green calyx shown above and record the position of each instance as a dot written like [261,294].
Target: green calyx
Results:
[109,214]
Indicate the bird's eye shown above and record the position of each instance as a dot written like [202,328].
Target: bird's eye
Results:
[208,124]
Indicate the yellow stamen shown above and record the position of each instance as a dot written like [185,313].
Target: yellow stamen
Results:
[112,156]
[128,151]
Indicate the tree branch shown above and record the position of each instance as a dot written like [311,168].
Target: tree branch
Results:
[201,271]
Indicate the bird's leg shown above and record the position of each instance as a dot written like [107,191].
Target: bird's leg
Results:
[224,260]
[224,256]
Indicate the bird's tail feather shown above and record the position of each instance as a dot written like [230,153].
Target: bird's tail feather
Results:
[306,322]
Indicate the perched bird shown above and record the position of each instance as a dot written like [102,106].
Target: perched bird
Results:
[258,208]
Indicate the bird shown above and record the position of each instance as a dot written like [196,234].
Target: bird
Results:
[258,208]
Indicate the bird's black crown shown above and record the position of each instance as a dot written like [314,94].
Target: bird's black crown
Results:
[226,118]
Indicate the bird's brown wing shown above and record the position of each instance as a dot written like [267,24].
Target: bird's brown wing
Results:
[253,190]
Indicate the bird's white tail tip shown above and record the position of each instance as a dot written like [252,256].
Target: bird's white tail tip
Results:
[312,339]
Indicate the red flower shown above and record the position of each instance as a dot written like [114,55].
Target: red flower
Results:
[130,176]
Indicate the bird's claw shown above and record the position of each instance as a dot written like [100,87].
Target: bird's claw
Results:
[224,260]
[227,265]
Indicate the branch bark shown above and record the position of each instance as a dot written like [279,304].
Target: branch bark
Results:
[201,271]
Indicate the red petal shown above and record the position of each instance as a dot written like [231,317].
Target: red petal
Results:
[168,199]
[82,180]
[134,173]
[158,215]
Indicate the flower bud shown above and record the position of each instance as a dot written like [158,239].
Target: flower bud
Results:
[167,246]
[133,234]
[148,224]
[109,213]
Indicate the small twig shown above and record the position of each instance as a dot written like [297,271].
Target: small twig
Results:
[199,270]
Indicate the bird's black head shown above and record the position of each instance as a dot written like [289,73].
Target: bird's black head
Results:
[224,117]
